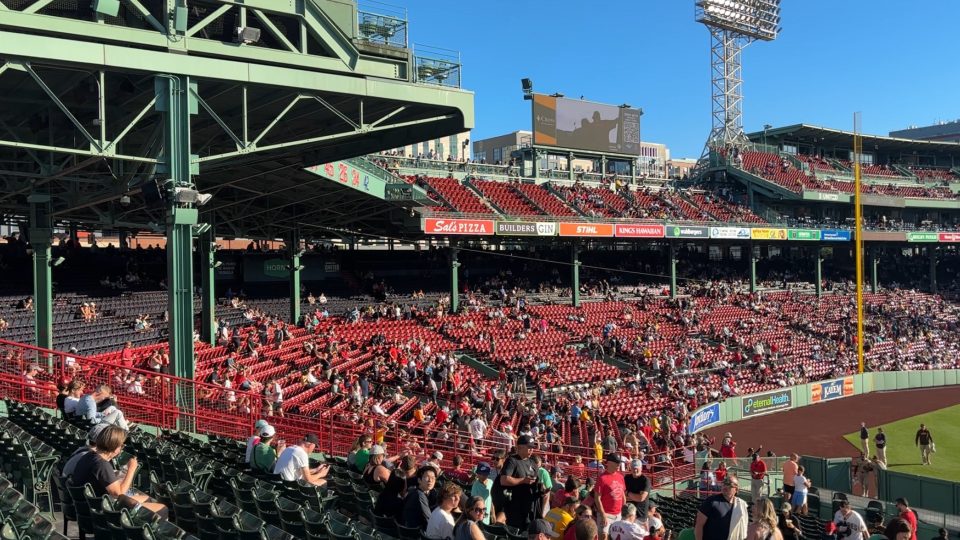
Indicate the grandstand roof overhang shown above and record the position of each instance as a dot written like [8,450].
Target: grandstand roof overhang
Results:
[836,138]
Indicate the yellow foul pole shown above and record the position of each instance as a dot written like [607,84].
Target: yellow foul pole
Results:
[858,230]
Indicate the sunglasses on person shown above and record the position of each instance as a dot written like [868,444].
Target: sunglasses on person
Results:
[479,509]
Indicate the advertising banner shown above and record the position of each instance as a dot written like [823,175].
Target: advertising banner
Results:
[730,233]
[640,230]
[766,403]
[803,234]
[832,389]
[258,268]
[586,229]
[884,236]
[835,235]
[923,237]
[526,228]
[682,231]
[949,237]
[704,417]
[458,226]
[768,234]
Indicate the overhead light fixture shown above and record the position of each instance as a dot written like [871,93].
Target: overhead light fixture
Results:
[297,268]
[217,264]
[125,200]
[57,262]
[300,252]
[190,196]
[247,35]
[201,228]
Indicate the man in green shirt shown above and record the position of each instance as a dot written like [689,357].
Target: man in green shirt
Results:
[546,485]
[264,455]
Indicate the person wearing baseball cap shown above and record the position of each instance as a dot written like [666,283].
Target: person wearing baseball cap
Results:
[638,487]
[482,487]
[539,529]
[609,493]
[294,462]
[519,479]
[254,439]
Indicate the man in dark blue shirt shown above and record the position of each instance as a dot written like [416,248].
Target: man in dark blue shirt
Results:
[416,505]
[723,516]
[864,439]
[880,441]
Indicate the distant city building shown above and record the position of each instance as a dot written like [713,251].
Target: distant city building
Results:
[941,131]
[498,149]
[680,167]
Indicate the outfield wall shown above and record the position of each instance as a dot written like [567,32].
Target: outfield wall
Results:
[834,474]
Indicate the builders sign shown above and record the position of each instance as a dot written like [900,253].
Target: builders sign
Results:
[833,389]
[458,226]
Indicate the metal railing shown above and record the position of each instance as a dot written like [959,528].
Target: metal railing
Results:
[382,24]
[434,65]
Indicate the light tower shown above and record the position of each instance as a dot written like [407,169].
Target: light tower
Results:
[733,25]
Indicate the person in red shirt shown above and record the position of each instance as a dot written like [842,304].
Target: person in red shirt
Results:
[758,472]
[907,514]
[609,493]
[127,355]
[728,447]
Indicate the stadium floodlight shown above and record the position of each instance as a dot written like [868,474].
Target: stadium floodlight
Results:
[57,262]
[246,35]
[733,25]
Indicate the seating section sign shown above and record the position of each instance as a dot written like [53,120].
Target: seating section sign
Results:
[832,389]
[766,403]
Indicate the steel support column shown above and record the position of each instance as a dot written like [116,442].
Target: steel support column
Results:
[672,264]
[874,263]
[753,268]
[175,104]
[932,253]
[454,280]
[293,250]
[575,273]
[208,303]
[41,231]
[818,271]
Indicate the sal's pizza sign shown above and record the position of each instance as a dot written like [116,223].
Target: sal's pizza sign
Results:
[458,226]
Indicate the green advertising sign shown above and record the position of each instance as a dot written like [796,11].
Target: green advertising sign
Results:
[803,234]
[923,237]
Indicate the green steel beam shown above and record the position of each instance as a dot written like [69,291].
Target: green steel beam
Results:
[293,249]
[41,231]
[818,271]
[932,253]
[753,269]
[208,305]
[454,280]
[575,273]
[175,103]
[672,263]
[874,263]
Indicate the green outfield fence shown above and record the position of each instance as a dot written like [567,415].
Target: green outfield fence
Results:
[834,474]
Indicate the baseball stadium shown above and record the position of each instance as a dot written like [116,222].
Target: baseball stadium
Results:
[262,281]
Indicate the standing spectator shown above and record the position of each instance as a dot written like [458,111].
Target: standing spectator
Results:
[608,494]
[519,477]
[728,446]
[440,525]
[925,441]
[637,487]
[544,486]
[864,439]
[800,486]
[789,470]
[758,473]
[907,514]
[898,529]
[764,526]
[722,516]
[482,486]
[850,525]
[880,441]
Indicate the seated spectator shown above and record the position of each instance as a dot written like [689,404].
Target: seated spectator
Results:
[94,468]
[264,455]
[416,504]
[468,525]
[99,408]
[390,501]
[254,439]
[440,525]
[294,463]
[71,464]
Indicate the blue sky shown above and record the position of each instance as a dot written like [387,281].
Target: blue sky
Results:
[896,62]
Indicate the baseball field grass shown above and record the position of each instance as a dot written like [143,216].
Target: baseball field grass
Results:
[904,456]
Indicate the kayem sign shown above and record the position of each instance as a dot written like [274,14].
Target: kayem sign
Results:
[768,234]
[834,235]
[704,417]
[803,234]
[949,237]
[680,231]
[458,226]
[640,231]
[526,228]
[730,233]
[586,229]
[833,389]
[766,403]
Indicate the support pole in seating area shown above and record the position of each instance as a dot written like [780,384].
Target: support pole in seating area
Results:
[208,304]
[818,271]
[932,253]
[294,251]
[672,264]
[575,274]
[176,103]
[874,263]
[753,268]
[41,232]
[454,280]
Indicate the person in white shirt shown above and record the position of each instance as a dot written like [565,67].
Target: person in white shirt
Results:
[440,525]
[254,439]
[628,528]
[850,525]
[294,463]
[478,428]
[378,410]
